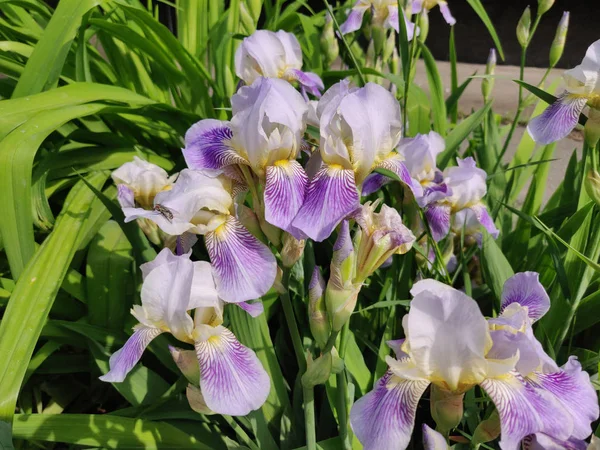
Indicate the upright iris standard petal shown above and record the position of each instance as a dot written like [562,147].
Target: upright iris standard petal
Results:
[558,120]
[123,360]
[525,410]
[384,418]
[445,10]
[232,379]
[125,196]
[525,289]
[138,182]
[330,196]
[244,268]
[284,193]
[208,146]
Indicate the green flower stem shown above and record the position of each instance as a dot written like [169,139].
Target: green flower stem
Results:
[342,393]
[240,432]
[330,342]
[307,393]
[411,60]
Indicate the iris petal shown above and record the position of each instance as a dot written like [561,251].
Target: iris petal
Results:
[207,146]
[284,193]
[438,218]
[355,18]
[525,289]
[557,120]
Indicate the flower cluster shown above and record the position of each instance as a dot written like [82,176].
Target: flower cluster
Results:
[452,347]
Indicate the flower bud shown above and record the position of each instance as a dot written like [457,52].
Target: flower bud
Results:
[196,400]
[592,185]
[544,6]
[524,28]
[487,430]
[340,304]
[337,363]
[558,44]
[292,250]
[378,35]
[187,362]
[151,230]
[329,43]
[487,84]
[318,371]
[423,29]
[246,18]
[278,284]
[390,45]
[446,408]
[317,315]
[591,130]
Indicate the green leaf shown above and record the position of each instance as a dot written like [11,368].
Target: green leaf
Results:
[436,89]
[481,12]
[102,431]
[383,304]
[496,267]
[452,100]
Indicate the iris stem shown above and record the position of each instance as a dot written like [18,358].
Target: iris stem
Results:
[342,392]
[307,393]
[330,342]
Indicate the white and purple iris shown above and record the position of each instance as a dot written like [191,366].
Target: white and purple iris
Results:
[232,379]
[582,87]
[462,207]
[360,128]
[271,54]
[449,344]
[426,5]
[384,13]
[203,203]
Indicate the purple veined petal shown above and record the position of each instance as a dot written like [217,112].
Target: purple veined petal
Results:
[284,193]
[438,218]
[432,440]
[525,289]
[395,164]
[254,309]
[308,80]
[445,10]
[384,418]
[373,183]
[557,120]
[573,389]
[123,360]
[330,196]
[207,146]
[525,410]
[244,267]
[232,379]
[125,196]
[484,218]
[540,441]
[354,20]
[435,193]
[396,346]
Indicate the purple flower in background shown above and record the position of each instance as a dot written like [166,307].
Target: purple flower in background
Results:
[274,55]
[420,5]
[360,128]
[582,86]
[451,345]
[265,134]
[203,203]
[232,379]
[464,206]
[384,14]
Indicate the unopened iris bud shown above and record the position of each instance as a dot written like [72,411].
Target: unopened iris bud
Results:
[246,18]
[524,28]
[318,371]
[196,400]
[329,43]
[317,315]
[488,83]
[390,45]
[446,408]
[292,250]
[488,430]
[558,44]
[592,185]
[423,27]
[591,130]
[544,6]
[187,362]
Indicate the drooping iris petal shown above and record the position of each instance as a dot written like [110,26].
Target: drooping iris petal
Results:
[557,120]
[125,196]
[123,360]
[396,165]
[384,418]
[484,218]
[355,18]
[244,268]
[448,335]
[435,193]
[438,218]
[311,82]
[232,379]
[525,410]
[374,182]
[542,441]
[573,389]
[330,196]
[432,440]
[450,20]
[284,192]
[254,309]
[525,289]
[208,146]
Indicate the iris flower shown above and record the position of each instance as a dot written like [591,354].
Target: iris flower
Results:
[232,379]
[384,14]
[264,135]
[272,54]
[203,203]
[451,345]
[360,128]
[582,87]
[464,206]
[420,5]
